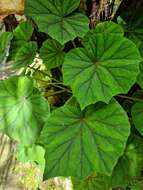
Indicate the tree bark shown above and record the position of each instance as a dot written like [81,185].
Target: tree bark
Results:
[100,10]
[8,7]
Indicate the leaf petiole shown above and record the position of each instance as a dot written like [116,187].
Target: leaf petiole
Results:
[130,98]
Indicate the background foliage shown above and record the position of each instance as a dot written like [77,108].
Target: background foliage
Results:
[77,113]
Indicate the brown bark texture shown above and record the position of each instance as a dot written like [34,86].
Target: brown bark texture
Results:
[8,7]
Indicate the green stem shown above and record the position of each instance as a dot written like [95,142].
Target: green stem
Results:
[47,82]
[73,43]
[130,98]
[61,87]
[54,84]
[55,93]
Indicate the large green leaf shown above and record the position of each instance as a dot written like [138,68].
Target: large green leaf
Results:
[22,35]
[5,39]
[22,113]
[52,53]
[107,66]
[79,143]
[25,55]
[56,18]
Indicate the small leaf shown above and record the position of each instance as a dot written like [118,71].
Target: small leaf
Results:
[107,66]
[22,113]
[137,113]
[23,32]
[133,26]
[5,39]
[25,55]
[137,185]
[57,18]
[31,154]
[107,27]
[52,53]
[79,143]
[140,76]
[129,165]
[22,35]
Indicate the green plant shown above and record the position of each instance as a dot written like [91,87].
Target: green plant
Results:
[79,106]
